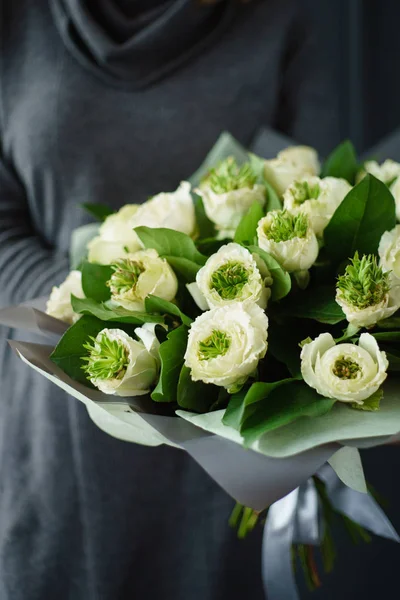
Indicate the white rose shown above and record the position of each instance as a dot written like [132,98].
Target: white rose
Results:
[347,372]
[317,198]
[225,345]
[59,303]
[389,253]
[386,172]
[120,365]
[366,293]
[291,164]
[137,276]
[228,192]
[116,237]
[232,275]
[173,210]
[289,239]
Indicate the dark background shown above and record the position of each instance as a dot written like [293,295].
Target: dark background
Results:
[361,39]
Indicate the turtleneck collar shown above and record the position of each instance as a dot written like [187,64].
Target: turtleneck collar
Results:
[133,43]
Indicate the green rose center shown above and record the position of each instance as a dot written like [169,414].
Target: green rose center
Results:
[229,176]
[217,344]
[285,226]
[125,276]
[364,283]
[108,359]
[229,280]
[346,368]
[303,190]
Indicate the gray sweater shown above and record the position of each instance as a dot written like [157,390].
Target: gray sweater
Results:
[89,114]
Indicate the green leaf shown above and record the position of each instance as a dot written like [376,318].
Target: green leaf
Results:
[342,162]
[284,340]
[118,314]
[206,228]
[371,404]
[185,269]
[387,336]
[225,146]
[241,405]
[285,404]
[172,352]
[154,304]
[358,223]
[195,396]
[246,231]
[210,246]
[281,279]
[393,356]
[273,202]
[316,303]
[69,351]
[390,323]
[170,243]
[94,281]
[98,211]
[257,164]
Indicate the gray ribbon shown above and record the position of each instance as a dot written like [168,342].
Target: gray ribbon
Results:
[296,518]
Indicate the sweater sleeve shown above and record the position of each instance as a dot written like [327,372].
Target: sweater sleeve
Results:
[308,104]
[28,266]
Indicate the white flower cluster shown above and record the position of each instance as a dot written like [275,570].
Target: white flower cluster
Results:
[233,288]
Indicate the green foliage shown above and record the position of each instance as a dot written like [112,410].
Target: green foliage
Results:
[246,231]
[115,314]
[156,305]
[98,211]
[342,162]
[94,281]
[172,352]
[359,222]
[281,279]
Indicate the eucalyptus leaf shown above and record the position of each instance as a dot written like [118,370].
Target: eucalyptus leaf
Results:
[94,281]
[69,351]
[98,211]
[316,303]
[154,304]
[284,405]
[170,243]
[242,404]
[358,223]
[185,269]
[342,162]
[172,352]
[117,314]
[281,279]
[246,232]
[195,396]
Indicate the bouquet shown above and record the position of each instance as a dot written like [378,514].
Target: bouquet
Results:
[251,318]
